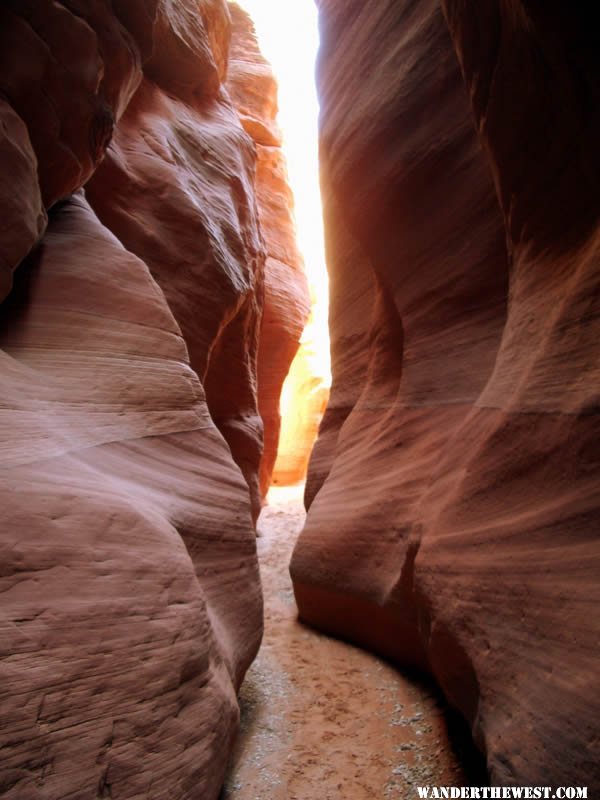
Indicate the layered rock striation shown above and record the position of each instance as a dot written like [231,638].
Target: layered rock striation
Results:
[131,599]
[132,263]
[286,302]
[453,493]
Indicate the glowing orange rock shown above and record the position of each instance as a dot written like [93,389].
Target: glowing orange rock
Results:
[286,298]
[303,401]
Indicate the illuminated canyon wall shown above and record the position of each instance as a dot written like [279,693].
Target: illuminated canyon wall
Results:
[133,266]
[303,401]
[453,493]
[286,299]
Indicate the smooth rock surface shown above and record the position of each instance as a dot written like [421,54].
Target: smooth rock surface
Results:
[131,599]
[177,188]
[21,210]
[454,493]
[81,69]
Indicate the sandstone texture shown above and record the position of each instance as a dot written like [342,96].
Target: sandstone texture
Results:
[130,591]
[303,401]
[132,263]
[453,494]
[177,188]
[321,718]
[286,298]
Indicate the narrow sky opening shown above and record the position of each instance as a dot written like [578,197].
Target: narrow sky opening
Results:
[288,35]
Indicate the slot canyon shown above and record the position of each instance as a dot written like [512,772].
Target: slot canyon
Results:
[222,577]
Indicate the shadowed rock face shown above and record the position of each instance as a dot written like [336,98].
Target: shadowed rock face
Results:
[131,603]
[176,187]
[454,489]
[128,615]
[77,58]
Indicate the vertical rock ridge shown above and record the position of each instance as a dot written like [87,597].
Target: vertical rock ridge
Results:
[286,302]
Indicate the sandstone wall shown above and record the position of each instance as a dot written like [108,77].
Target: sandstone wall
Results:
[131,603]
[286,302]
[454,490]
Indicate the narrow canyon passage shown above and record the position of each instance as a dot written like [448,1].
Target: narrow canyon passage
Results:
[224,267]
[301,737]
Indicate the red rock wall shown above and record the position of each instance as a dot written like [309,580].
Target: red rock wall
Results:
[131,603]
[286,301]
[177,188]
[454,489]
[130,591]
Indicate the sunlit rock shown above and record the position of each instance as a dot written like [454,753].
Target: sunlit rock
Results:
[303,400]
[286,299]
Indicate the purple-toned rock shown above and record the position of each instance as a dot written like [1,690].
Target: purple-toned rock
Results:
[455,487]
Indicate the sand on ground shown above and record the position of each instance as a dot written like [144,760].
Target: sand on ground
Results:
[321,719]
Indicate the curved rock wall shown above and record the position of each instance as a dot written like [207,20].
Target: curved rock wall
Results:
[131,603]
[128,615]
[176,187]
[286,300]
[454,490]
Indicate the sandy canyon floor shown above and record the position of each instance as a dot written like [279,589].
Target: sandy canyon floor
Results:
[322,720]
